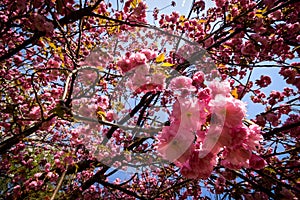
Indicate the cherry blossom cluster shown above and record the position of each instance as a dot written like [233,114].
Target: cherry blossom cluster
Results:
[204,130]
[208,129]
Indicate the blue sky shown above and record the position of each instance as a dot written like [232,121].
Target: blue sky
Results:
[182,6]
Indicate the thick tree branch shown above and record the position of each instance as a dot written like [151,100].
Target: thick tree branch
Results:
[22,46]
[8,143]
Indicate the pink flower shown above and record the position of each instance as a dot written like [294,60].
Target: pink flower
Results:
[232,136]
[158,79]
[220,3]
[167,133]
[204,95]
[189,113]
[138,58]
[237,157]
[219,88]
[202,166]
[198,79]
[140,76]
[130,61]
[37,175]
[264,81]
[35,112]
[47,167]
[210,140]
[257,162]
[103,102]
[50,174]
[230,109]
[175,147]
[187,171]
[110,115]
[249,49]
[57,162]
[182,84]
[149,54]
[33,184]
[254,137]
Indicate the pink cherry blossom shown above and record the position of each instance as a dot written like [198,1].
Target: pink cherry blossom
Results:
[219,88]
[182,84]
[198,79]
[190,113]
[236,157]
[175,145]
[233,110]
[257,162]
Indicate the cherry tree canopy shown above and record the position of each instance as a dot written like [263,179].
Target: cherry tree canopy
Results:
[99,102]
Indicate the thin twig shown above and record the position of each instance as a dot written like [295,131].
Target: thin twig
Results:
[59,183]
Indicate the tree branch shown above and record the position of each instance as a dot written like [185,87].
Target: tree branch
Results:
[280,129]
[8,143]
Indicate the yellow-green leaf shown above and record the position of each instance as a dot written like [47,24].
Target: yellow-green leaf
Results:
[182,18]
[259,13]
[52,45]
[200,21]
[166,64]
[100,68]
[135,3]
[272,171]
[227,46]
[101,114]
[160,58]
[234,93]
